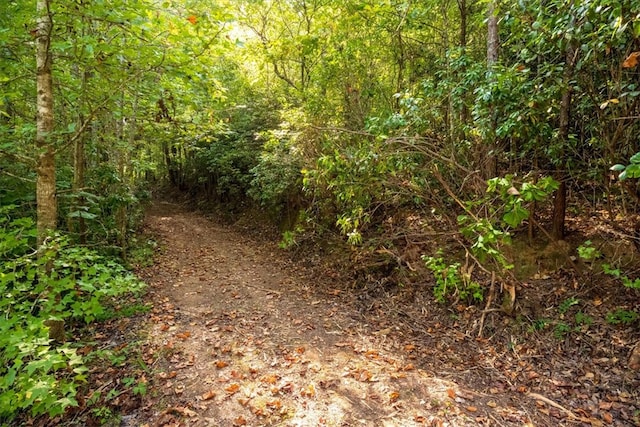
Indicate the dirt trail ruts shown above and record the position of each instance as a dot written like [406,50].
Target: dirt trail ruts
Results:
[243,339]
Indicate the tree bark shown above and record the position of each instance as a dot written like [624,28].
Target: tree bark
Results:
[79,164]
[47,209]
[489,166]
[560,199]
[493,41]
[464,111]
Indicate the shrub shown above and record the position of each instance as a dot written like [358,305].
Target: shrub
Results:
[55,282]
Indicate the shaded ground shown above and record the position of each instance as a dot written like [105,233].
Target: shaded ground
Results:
[244,337]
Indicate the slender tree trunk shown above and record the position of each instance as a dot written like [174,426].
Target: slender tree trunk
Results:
[79,166]
[462,7]
[464,111]
[46,166]
[560,200]
[493,41]
[489,153]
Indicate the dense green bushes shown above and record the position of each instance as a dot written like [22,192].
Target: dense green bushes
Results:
[55,282]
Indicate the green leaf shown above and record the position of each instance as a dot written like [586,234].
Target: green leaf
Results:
[633,170]
[82,214]
[635,159]
[515,217]
[617,168]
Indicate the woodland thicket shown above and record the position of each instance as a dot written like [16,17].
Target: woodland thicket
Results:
[482,118]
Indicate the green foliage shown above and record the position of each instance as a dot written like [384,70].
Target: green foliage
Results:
[632,170]
[451,282]
[230,161]
[60,282]
[277,179]
[567,304]
[539,324]
[359,177]
[486,233]
[486,240]
[588,252]
[622,317]
[617,273]
[288,239]
[141,252]
[583,319]
[561,330]
[514,200]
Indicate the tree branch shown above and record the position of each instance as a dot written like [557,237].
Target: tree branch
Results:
[21,178]
[29,161]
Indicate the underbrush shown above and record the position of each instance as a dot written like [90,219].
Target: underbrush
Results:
[46,293]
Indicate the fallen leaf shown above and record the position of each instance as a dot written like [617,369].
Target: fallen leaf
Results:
[363,375]
[409,347]
[269,379]
[186,412]
[232,388]
[372,354]
[451,393]
[310,391]
[167,375]
[300,350]
[243,401]
[183,335]
[606,416]
[492,404]
[287,388]
[221,364]
[393,396]
[240,421]
[472,409]
[208,395]
[631,61]
[605,405]
[409,367]
[274,404]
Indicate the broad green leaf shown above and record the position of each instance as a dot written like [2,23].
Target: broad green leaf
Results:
[633,171]
[635,158]
[515,217]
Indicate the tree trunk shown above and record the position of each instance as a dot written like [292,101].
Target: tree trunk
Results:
[462,7]
[488,156]
[560,200]
[47,209]
[79,166]
[464,111]
[493,41]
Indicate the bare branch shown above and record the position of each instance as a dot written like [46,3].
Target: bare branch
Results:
[29,161]
[21,178]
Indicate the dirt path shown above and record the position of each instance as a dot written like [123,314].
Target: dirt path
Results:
[242,339]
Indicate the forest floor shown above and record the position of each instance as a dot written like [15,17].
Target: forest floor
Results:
[241,335]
